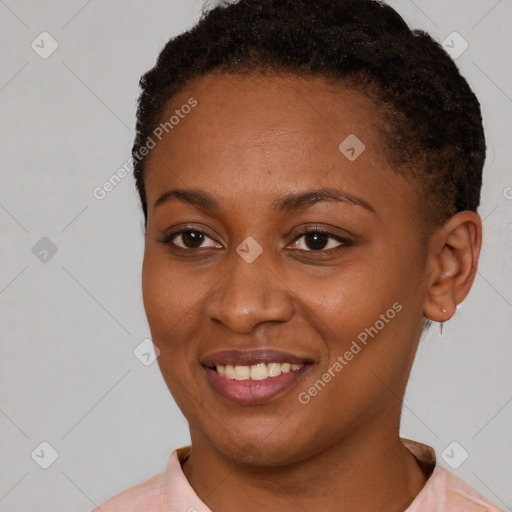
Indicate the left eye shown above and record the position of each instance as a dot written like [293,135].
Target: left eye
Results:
[316,240]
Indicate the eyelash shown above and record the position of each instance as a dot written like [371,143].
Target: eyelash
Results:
[167,240]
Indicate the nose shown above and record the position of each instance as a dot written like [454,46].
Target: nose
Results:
[250,294]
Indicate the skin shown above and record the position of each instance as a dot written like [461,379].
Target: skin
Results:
[250,141]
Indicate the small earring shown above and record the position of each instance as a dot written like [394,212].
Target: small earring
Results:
[442,323]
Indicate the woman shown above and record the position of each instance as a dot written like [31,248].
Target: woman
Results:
[309,174]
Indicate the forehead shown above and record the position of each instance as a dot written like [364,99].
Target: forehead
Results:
[262,135]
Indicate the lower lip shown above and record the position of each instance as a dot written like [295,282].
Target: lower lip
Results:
[251,392]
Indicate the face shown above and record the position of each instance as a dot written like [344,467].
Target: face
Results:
[284,261]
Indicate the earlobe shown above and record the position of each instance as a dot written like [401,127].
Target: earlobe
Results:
[453,259]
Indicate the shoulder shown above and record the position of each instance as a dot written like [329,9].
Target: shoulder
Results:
[461,494]
[156,493]
[446,492]
[148,495]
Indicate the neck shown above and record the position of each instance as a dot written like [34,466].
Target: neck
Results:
[367,471]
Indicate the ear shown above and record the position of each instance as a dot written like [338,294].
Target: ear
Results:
[454,250]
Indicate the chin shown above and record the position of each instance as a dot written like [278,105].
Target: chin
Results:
[255,451]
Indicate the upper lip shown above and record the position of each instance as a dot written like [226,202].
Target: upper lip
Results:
[251,357]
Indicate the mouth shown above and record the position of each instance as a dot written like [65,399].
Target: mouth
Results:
[260,371]
[253,377]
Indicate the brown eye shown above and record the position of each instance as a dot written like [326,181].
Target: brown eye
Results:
[192,239]
[320,240]
[188,239]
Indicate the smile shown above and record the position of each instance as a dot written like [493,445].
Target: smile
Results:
[260,371]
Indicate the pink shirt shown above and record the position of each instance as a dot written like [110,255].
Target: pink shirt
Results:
[170,491]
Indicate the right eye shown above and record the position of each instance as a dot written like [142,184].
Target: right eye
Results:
[190,239]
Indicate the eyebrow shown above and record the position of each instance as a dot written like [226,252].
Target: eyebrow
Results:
[286,204]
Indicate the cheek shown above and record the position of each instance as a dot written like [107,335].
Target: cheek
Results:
[365,314]
[351,298]
[174,296]
[168,292]
[169,299]
[158,292]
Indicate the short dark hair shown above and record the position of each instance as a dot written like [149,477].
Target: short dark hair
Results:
[428,118]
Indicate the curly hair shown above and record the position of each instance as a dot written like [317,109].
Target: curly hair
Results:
[427,116]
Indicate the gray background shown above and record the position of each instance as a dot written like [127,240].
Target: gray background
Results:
[71,320]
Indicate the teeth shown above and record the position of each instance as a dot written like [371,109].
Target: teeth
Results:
[242,372]
[229,371]
[260,371]
[274,369]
